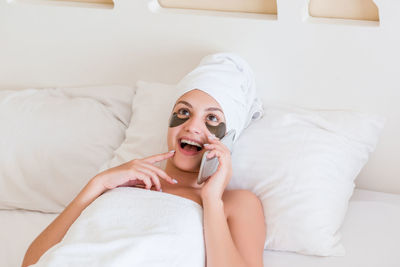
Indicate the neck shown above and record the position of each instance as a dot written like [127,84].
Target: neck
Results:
[184,178]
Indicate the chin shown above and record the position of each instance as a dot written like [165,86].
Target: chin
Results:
[186,165]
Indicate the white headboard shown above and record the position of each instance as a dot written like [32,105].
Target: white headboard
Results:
[297,59]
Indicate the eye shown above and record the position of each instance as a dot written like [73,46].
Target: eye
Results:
[212,118]
[183,113]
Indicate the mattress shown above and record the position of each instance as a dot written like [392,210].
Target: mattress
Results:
[370,234]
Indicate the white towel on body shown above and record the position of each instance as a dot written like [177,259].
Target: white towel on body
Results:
[130,226]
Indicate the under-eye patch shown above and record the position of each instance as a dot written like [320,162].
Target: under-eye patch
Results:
[175,120]
[218,131]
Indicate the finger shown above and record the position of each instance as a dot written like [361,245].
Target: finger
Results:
[134,178]
[144,178]
[147,181]
[211,154]
[219,147]
[159,157]
[216,145]
[209,146]
[212,147]
[153,177]
[161,173]
[212,139]
[215,153]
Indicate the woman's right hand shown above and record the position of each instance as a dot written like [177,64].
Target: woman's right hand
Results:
[135,173]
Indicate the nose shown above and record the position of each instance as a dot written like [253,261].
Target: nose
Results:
[193,125]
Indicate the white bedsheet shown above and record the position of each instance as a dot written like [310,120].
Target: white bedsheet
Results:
[371,235]
[18,229]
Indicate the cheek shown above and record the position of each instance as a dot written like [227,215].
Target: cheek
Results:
[171,137]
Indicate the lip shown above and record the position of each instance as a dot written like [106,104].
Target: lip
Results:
[188,153]
[190,139]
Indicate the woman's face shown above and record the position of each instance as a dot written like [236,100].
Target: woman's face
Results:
[194,116]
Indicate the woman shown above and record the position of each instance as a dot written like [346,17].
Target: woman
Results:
[215,97]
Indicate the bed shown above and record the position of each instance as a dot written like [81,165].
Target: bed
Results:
[316,63]
[372,218]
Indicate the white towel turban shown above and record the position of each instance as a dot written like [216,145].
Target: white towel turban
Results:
[230,81]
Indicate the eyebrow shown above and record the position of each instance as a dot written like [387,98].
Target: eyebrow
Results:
[190,106]
[185,103]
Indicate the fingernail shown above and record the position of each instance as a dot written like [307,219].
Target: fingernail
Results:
[206,144]
[171,151]
[174,181]
[211,136]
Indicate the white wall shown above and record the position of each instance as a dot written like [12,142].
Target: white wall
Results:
[309,62]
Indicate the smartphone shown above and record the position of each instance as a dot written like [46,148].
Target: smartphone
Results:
[209,166]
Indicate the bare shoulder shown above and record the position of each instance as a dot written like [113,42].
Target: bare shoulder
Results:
[240,202]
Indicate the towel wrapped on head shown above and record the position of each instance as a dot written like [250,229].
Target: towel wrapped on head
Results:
[230,81]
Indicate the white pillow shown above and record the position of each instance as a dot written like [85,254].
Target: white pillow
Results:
[300,163]
[54,140]
[147,132]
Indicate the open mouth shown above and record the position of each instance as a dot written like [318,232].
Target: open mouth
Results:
[190,146]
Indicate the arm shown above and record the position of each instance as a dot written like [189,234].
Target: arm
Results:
[234,227]
[234,230]
[55,232]
[133,173]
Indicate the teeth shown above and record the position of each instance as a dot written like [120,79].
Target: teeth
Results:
[190,142]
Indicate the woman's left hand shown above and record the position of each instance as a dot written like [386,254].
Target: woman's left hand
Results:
[215,185]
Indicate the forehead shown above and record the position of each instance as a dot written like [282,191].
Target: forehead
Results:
[199,99]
